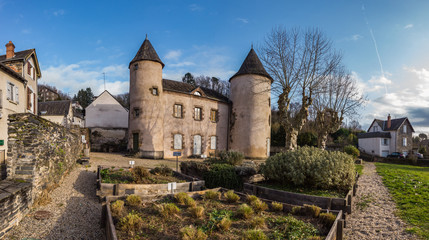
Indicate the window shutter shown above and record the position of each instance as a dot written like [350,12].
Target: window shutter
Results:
[16,90]
[29,68]
[177,141]
[28,99]
[33,102]
[34,73]
[9,91]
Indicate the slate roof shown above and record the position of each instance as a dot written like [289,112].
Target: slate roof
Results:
[18,55]
[55,108]
[176,86]
[374,135]
[252,65]
[14,74]
[147,52]
[395,124]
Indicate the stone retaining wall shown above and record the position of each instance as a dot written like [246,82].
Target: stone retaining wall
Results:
[40,151]
[14,201]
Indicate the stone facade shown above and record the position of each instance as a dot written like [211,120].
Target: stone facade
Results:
[40,151]
[168,116]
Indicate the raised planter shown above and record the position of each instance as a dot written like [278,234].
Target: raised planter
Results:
[122,189]
[335,232]
[343,204]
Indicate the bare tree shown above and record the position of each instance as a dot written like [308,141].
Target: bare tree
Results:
[299,62]
[337,98]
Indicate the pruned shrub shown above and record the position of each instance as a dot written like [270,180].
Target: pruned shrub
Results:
[352,150]
[244,211]
[327,219]
[276,206]
[222,175]
[231,197]
[257,222]
[197,211]
[191,233]
[312,210]
[255,235]
[117,208]
[131,223]
[211,195]
[259,206]
[180,197]
[311,167]
[133,200]
[167,209]
[225,224]
[251,198]
[140,174]
[162,170]
[233,158]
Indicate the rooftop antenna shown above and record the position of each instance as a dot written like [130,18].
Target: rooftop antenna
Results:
[146,36]
[252,45]
[104,79]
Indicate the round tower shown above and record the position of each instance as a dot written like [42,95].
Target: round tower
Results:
[251,109]
[146,119]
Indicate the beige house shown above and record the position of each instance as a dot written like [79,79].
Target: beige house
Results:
[107,120]
[19,73]
[59,112]
[385,137]
[168,116]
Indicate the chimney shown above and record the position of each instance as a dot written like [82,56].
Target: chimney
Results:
[10,50]
[389,122]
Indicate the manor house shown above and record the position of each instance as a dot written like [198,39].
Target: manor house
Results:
[168,116]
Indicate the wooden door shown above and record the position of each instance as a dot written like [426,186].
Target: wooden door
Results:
[135,142]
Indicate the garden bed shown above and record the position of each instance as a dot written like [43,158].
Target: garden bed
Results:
[332,203]
[207,215]
[120,182]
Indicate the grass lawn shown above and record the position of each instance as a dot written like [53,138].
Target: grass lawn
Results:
[409,186]
[359,168]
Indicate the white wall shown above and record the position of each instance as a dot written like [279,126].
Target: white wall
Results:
[371,144]
[106,112]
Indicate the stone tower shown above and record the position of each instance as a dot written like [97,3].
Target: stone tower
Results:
[251,109]
[146,119]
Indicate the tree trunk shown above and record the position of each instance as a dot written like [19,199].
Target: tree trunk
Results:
[322,138]
[291,138]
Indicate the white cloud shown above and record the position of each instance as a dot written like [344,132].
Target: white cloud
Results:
[73,77]
[408,26]
[181,64]
[195,7]
[173,55]
[58,12]
[380,80]
[243,20]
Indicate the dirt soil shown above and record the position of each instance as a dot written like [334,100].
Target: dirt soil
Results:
[373,211]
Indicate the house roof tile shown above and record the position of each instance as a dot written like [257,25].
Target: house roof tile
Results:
[147,52]
[252,65]
[176,86]
[54,108]
[374,135]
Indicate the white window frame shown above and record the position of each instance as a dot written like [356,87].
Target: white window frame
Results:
[385,141]
[178,141]
[404,129]
[213,142]
[404,142]
[12,92]
[198,113]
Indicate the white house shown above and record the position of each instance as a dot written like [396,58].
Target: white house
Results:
[385,137]
[108,121]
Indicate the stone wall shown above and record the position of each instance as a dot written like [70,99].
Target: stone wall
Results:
[108,139]
[15,198]
[40,152]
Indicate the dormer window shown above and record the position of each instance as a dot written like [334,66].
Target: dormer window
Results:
[197,93]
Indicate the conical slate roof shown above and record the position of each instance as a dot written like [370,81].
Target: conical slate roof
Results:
[147,52]
[252,65]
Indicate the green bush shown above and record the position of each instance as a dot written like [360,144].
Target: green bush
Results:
[222,175]
[134,200]
[131,223]
[276,206]
[255,235]
[311,167]
[244,211]
[231,157]
[162,170]
[167,209]
[289,227]
[352,150]
[231,197]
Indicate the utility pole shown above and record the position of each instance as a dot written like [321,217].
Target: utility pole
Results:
[104,78]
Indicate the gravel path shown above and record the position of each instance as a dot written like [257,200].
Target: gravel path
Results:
[373,211]
[75,209]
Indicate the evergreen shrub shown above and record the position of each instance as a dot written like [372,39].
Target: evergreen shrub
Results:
[311,167]
[222,175]
[352,150]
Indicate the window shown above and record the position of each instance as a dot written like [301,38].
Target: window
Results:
[404,129]
[12,92]
[213,144]
[136,66]
[136,112]
[197,113]
[213,115]
[155,91]
[385,141]
[375,129]
[177,141]
[404,142]
[177,111]
[197,93]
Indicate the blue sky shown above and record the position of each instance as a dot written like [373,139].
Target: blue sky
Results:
[76,41]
